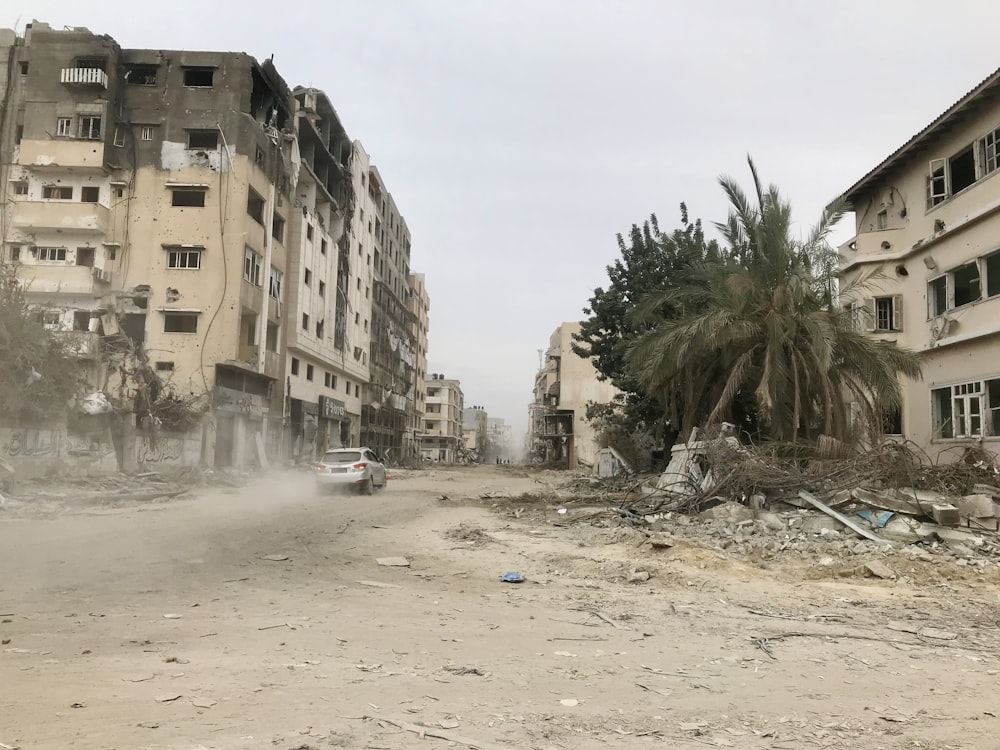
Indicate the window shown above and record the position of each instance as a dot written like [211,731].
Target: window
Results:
[110,252]
[326,379]
[295,366]
[892,421]
[19,187]
[882,220]
[966,410]
[90,194]
[278,228]
[309,372]
[992,265]
[90,128]
[119,191]
[962,169]
[90,63]
[164,366]
[203,139]
[137,74]
[322,246]
[15,254]
[937,296]
[347,387]
[276,278]
[202,78]
[320,329]
[309,231]
[24,68]
[183,258]
[119,139]
[50,254]
[958,287]
[64,127]
[180,322]
[255,207]
[146,133]
[81,320]
[57,193]
[988,151]
[85,256]
[252,266]
[305,321]
[271,337]
[307,277]
[259,156]
[322,289]
[187,197]
[966,282]
[357,391]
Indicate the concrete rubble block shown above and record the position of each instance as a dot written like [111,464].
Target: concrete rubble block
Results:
[976,506]
[817,523]
[952,536]
[946,514]
[728,511]
[638,576]
[880,570]
[661,540]
[901,530]
[771,520]
[886,501]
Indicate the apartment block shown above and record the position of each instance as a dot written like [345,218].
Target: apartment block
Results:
[559,432]
[475,424]
[500,438]
[188,217]
[924,271]
[443,436]
[420,307]
[388,411]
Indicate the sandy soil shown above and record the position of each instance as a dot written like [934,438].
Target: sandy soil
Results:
[166,625]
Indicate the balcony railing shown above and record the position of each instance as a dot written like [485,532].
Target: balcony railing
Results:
[84,77]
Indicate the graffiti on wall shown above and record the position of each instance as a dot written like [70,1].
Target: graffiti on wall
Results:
[31,442]
[164,449]
[94,445]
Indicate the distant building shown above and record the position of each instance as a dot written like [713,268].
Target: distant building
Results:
[420,307]
[474,421]
[443,437]
[500,439]
[558,429]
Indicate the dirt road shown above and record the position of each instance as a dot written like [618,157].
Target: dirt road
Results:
[261,618]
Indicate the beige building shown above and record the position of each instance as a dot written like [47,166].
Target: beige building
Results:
[928,244]
[420,307]
[443,436]
[565,384]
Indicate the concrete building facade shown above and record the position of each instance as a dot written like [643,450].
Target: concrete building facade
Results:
[474,423]
[924,271]
[443,436]
[420,306]
[189,217]
[559,432]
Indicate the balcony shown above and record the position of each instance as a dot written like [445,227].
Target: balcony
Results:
[60,278]
[251,355]
[59,216]
[891,243]
[62,155]
[84,77]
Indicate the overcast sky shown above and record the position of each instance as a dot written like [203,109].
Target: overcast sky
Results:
[519,136]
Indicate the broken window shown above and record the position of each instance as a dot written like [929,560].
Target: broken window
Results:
[81,320]
[57,192]
[252,262]
[85,256]
[90,194]
[15,254]
[90,63]
[119,139]
[19,187]
[295,366]
[162,366]
[64,127]
[278,228]
[255,207]
[199,77]
[937,296]
[988,151]
[203,139]
[962,168]
[183,258]
[50,254]
[90,127]
[276,278]
[310,370]
[140,74]
[966,282]
[188,197]
[992,265]
[937,183]
[309,231]
[271,337]
[180,322]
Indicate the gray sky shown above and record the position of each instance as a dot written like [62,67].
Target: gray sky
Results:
[519,136]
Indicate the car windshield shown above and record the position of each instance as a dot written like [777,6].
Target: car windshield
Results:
[342,457]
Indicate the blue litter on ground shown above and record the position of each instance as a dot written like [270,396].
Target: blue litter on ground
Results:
[512,577]
[879,520]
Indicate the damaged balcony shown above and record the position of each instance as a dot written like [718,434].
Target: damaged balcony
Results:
[90,77]
[90,218]
[61,279]
[82,344]
[69,155]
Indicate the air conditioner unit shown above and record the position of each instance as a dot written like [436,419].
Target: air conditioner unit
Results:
[101,275]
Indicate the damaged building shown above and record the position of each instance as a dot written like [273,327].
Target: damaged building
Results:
[187,217]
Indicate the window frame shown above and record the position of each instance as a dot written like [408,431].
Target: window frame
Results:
[957,408]
[47,250]
[48,189]
[177,192]
[253,263]
[196,133]
[192,70]
[177,316]
[64,127]
[87,130]
[179,258]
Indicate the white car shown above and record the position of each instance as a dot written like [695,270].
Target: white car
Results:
[347,468]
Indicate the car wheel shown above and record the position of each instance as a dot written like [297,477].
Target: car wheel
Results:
[368,487]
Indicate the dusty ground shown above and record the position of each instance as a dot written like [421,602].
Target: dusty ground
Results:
[165,625]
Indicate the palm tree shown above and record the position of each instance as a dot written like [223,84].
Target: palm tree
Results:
[764,323]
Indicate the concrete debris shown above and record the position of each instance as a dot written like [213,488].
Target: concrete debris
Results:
[638,576]
[393,562]
[880,570]
[946,514]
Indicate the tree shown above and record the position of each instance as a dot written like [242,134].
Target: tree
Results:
[39,377]
[764,322]
[650,261]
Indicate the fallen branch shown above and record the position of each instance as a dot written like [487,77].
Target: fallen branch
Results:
[422,732]
[601,616]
